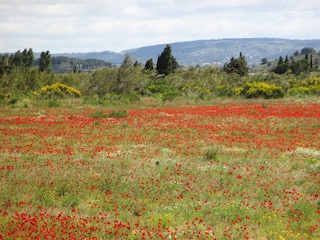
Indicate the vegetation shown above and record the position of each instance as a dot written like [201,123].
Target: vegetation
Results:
[45,62]
[149,65]
[237,66]
[59,90]
[131,153]
[293,76]
[68,65]
[166,62]
[224,170]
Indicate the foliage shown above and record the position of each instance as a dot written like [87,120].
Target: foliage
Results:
[283,66]
[59,90]
[262,90]
[211,154]
[149,65]
[307,50]
[303,87]
[118,114]
[50,103]
[264,60]
[45,62]
[296,66]
[300,66]
[237,66]
[61,64]
[20,81]
[112,114]
[130,82]
[120,81]
[170,96]
[18,60]
[166,63]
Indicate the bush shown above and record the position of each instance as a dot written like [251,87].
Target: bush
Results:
[298,91]
[305,87]
[211,154]
[170,96]
[262,90]
[112,114]
[59,90]
[119,114]
[52,103]
[95,100]
[223,90]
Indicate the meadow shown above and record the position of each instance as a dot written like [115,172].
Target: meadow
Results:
[228,169]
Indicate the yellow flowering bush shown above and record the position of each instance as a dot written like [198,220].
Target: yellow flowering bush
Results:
[263,90]
[59,90]
[310,86]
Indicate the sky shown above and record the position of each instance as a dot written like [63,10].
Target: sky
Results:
[73,26]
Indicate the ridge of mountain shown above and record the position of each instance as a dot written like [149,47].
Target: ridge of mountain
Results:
[215,51]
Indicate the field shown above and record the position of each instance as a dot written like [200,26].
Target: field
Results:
[224,170]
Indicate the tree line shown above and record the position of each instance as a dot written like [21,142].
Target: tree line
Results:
[23,60]
[165,80]
[299,62]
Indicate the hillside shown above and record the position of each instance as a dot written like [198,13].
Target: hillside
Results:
[203,52]
[220,51]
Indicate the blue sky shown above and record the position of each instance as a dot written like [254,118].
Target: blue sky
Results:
[98,25]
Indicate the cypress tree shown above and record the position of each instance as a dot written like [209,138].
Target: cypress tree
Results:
[149,65]
[45,62]
[166,63]
[237,65]
[30,58]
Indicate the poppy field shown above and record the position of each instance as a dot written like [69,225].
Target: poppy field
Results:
[229,170]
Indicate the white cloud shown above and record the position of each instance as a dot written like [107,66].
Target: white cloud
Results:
[97,25]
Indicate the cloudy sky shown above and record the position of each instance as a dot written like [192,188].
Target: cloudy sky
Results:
[99,25]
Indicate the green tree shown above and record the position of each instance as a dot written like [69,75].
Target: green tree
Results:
[264,60]
[4,64]
[17,59]
[307,50]
[296,53]
[149,64]
[237,66]
[166,63]
[128,78]
[27,58]
[300,66]
[30,58]
[283,66]
[127,62]
[45,62]
[137,64]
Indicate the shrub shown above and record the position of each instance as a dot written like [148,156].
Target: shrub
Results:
[112,114]
[305,87]
[119,114]
[315,90]
[98,115]
[298,91]
[223,90]
[59,90]
[211,154]
[95,100]
[170,96]
[52,103]
[262,90]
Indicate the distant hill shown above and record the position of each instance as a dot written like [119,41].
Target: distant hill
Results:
[203,52]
